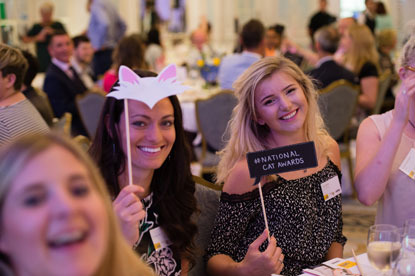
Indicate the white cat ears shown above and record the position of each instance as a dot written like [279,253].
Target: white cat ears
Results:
[148,90]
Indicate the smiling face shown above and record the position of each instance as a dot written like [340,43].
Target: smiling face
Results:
[152,134]
[280,104]
[61,47]
[54,221]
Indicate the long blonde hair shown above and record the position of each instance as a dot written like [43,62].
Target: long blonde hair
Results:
[119,258]
[246,134]
[363,48]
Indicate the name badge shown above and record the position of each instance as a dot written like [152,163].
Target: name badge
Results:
[408,165]
[159,238]
[331,188]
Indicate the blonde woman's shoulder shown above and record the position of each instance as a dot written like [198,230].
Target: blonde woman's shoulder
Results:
[239,181]
[333,152]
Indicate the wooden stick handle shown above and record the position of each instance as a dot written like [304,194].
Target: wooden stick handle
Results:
[127,141]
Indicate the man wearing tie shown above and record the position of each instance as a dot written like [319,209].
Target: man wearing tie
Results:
[62,83]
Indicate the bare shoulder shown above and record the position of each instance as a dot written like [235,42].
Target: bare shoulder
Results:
[367,131]
[239,181]
[333,152]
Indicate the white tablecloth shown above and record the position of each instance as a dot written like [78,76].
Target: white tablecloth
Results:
[368,270]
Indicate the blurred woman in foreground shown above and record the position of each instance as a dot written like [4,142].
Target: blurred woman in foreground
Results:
[56,216]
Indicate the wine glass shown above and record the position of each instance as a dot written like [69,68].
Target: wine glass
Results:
[383,246]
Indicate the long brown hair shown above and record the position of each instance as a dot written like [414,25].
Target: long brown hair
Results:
[129,52]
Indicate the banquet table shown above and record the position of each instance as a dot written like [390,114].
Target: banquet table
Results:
[368,270]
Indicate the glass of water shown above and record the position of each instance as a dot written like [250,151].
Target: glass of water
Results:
[406,265]
[408,242]
[383,246]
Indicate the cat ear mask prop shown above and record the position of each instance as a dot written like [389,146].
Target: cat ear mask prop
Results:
[148,90]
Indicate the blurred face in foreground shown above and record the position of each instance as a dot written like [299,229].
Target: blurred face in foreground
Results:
[54,221]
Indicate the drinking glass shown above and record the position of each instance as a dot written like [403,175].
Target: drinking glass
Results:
[408,242]
[383,246]
[406,265]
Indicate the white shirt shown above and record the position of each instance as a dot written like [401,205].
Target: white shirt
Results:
[83,73]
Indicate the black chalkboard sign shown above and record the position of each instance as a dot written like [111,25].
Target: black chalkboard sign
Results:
[283,159]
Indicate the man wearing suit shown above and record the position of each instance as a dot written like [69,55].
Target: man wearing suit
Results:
[327,70]
[62,83]
[253,41]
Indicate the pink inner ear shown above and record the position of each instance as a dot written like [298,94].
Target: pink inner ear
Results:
[129,76]
[170,72]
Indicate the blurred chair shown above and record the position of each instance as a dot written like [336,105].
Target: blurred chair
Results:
[207,195]
[337,103]
[213,115]
[384,83]
[63,124]
[89,106]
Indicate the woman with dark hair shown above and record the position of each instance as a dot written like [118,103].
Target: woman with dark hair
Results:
[161,167]
[129,52]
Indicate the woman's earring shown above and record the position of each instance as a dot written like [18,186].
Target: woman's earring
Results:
[261,122]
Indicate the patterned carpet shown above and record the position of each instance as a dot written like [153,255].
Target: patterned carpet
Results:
[356,221]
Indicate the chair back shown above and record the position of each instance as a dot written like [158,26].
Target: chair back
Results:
[207,195]
[63,124]
[384,83]
[337,103]
[213,115]
[89,107]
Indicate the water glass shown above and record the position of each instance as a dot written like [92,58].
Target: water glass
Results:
[406,266]
[408,242]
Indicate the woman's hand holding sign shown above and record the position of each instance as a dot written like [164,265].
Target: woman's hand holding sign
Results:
[129,210]
[263,263]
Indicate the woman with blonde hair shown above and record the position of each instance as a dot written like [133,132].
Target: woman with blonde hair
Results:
[56,215]
[276,107]
[361,57]
[384,146]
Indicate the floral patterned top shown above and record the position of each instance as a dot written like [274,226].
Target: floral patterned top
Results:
[303,223]
[163,261]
